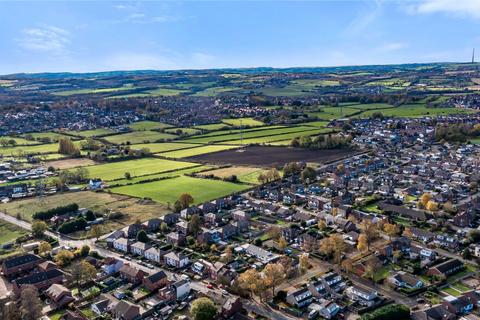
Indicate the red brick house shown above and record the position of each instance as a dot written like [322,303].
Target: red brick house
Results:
[41,280]
[131,274]
[20,264]
[155,281]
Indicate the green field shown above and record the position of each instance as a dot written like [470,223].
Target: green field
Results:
[139,137]
[137,167]
[330,113]
[92,133]
[416,110]
[213,91]
[163,146]
[35,149]
[156,176]
[244,174]
[188,131]
[371,106]
[185,153]
[279,137]
[9,232]
[168,191]
[148,125]
[91,91]
[250,122]
[212,127]
[19,141]
[236,135]
[53,136]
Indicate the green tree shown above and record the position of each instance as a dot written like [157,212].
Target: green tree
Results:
[39,228]
[142,236]
[203,309]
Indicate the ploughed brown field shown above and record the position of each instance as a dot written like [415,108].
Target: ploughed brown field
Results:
[271,156]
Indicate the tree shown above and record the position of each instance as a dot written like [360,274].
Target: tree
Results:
[362,244]
[128,176]
[309,174]
[90,216]
[303,262]
[333,246]
[388,312]
[66,146]
[11,311]
[347,265]
[370,230]
[322,225]
[249,280]
[163,227]
[85,250]
[291,169]
[44,247]
[431,206]
[424,199]
[282,243]
[203,309]
[407,232]
[371,268]
[195,224]
[31,305]
[274,274]
[64,257]
[185,200]
[391,229]
[142,236]
[83,271]
[38,228]
[96,231]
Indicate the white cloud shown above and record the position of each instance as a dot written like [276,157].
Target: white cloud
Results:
[462,8]
[363,20]
[45,39]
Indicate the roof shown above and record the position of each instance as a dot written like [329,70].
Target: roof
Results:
[127,309]
[21,260]
[55,290]
[448,265]
[39,277]
[157,276]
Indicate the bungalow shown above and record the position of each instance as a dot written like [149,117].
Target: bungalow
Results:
[124,310]
[155,281]
[423,235]
[59,295]
[262,255]
[458,306]
[404,280]
[446,268]
[131,274]
[176,260]
[138,248]
[100,307]
[19,264]
[363,296]
[438,312]
[328,309]
[299,298]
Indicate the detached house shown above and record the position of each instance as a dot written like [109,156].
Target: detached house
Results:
[155,281]
[405,280]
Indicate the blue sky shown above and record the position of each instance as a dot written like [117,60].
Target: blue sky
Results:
[87,36]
